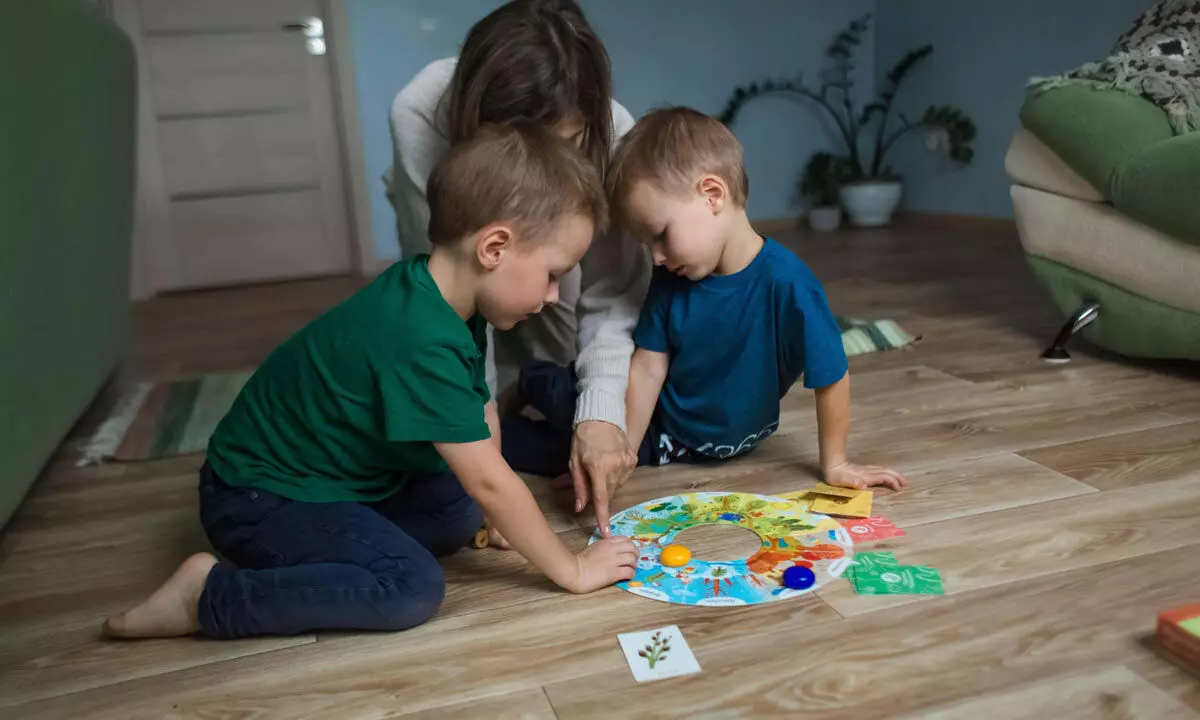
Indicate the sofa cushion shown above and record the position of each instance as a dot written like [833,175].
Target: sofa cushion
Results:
[1128,323]
[67,146]
[1108,245]
[1161,187]
[1029,162]
[1095,131]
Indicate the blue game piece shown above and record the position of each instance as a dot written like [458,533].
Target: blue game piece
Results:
[798,577]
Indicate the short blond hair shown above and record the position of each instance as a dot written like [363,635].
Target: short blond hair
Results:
[670,148]
[518,173]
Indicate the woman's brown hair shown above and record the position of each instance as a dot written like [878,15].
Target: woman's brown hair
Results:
[538,61]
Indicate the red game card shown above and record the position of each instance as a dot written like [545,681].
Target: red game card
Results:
[871,528]
[1179,633]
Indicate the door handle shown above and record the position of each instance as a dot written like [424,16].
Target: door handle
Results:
[313,29]
[310,26]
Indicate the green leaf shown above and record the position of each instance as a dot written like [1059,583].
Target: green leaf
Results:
[905,65]
[838,77]
[822,179]
[959,130]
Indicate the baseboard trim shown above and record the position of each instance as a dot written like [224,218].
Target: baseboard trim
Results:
[776,226]
[955,220]
[780,225]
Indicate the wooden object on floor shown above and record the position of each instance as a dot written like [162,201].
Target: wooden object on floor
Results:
[1060,504]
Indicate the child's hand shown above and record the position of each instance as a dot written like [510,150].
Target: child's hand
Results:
[603,563]
[861,477]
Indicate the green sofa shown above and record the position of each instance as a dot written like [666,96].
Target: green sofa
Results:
[1107,203]
[68,93]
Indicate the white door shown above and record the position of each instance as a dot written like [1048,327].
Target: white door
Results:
[240,170]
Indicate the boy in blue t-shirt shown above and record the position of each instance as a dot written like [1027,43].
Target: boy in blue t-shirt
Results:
[730,323]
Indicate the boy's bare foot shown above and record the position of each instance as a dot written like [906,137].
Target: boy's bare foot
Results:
[172,610]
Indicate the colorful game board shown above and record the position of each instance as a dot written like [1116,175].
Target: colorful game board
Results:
[790,536]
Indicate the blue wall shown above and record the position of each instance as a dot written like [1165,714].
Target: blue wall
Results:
[693,52]
[687,52]
[984,52]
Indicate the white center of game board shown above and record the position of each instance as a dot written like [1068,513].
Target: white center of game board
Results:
[719,543]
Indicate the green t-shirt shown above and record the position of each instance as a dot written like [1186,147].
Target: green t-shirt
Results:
[358,397]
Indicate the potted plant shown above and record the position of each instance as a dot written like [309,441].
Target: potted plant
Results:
[871,190]
[820,185]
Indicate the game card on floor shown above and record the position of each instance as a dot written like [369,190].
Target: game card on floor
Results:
[658,654]
[857,506]
[833,491]
[871,528]
[801,497]
[903,580]
[871,561]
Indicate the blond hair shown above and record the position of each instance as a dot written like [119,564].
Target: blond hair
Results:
[670,148]
[519,173]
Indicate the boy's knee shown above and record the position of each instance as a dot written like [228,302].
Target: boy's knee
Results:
[462,523]
[460,519]
[541,381]
[472,520]
[415,595]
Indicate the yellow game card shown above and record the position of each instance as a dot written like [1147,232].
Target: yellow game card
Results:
[801,497]
[858,506]
[823,489]
[797,496]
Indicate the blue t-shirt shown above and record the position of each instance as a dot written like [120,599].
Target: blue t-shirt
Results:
[737,343]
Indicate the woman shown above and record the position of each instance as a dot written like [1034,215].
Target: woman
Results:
[539,60]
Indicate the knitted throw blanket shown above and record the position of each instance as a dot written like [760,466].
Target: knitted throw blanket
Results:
[1159,59]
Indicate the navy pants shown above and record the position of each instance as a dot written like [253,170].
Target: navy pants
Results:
[543,447]
[296,566]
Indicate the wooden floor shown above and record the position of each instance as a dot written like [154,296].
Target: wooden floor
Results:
[1062,505]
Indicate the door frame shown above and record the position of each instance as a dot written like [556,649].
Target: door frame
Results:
[148,273]
[354,162]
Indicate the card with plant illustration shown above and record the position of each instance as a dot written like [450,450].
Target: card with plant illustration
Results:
[658,654]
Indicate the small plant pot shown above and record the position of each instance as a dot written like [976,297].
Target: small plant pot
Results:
[871,203]
[825,219]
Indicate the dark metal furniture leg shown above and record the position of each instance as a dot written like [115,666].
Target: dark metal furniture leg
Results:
[1084,316]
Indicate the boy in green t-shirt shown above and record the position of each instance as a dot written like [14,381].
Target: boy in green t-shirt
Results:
[327,484]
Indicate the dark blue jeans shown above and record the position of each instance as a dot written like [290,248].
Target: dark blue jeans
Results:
[543,447]
[294,566]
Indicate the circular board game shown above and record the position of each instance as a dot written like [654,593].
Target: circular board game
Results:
[791,536]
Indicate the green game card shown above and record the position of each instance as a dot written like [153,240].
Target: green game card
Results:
[901,580]
[871,561]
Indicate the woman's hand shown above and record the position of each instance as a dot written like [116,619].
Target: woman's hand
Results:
[601,462]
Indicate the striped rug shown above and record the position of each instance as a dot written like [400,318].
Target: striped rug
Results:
[860,337]
[160,420]
[164,419]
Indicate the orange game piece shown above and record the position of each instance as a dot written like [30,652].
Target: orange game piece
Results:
[675,556]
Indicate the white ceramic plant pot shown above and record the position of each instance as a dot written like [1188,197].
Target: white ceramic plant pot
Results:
[872,202]
[825,219]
